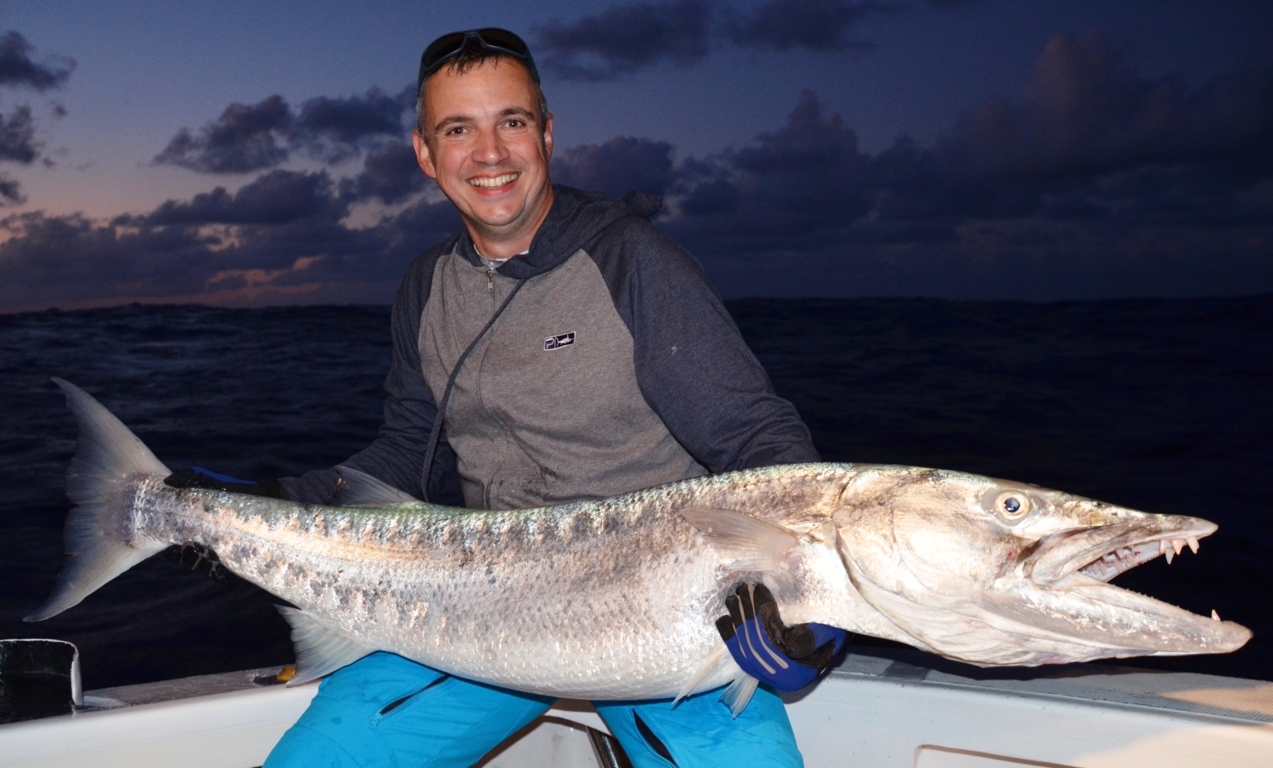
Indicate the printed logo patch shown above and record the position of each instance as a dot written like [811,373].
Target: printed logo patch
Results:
[557,342]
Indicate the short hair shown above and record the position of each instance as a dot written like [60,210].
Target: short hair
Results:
[470,58]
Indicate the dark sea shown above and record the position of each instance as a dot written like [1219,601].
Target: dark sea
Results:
[1159,405]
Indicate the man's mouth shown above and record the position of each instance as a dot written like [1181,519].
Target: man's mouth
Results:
[493,182]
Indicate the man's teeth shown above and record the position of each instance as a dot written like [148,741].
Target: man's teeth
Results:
[497,181]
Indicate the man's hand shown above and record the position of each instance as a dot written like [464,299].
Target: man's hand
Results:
[197,556]
[198,477]
[787,658]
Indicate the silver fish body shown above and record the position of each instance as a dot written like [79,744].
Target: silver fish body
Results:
[616,598]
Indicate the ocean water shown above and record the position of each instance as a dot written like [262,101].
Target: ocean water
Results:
[1160,405]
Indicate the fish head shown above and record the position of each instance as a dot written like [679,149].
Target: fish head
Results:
[995,572]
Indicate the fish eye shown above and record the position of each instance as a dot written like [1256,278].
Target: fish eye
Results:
[1012,505]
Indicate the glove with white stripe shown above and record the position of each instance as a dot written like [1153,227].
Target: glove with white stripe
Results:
[786,658]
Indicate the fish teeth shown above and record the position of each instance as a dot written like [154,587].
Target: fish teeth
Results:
[1168,554]
[1177,544]
[1215,615]
[1193,544]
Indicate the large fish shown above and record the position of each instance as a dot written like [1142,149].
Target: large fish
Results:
[616,599]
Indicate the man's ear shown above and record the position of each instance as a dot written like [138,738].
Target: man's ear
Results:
[548,136]
[422,155]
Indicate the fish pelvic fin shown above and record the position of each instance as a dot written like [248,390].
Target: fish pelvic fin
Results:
[738,695]
[718,661]
[101,480]
[320,649]
[355,488]
[747,543]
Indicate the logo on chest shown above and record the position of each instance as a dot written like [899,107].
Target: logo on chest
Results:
[559,341]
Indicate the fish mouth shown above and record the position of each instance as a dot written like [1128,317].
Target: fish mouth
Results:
[1070,571]
[1104,552]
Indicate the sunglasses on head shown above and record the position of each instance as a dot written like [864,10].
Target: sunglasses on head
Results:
[494,39]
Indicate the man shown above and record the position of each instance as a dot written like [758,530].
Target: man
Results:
[558,347]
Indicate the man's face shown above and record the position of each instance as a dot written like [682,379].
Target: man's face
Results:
[488,150]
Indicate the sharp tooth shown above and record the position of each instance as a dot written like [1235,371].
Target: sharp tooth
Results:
[1193,544]
[1162,546]
[1168,556]
[1215,615]
[1177,544]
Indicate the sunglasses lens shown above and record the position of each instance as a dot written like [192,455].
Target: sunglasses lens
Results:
[502,38]
[442,48]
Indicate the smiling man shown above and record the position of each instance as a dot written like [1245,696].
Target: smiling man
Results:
[558,347]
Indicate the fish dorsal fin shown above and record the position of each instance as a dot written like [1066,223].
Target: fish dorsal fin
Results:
[749,544]
[320,649]
[359,489]
[739,694]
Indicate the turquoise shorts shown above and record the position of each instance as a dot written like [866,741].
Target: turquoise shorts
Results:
[384,710]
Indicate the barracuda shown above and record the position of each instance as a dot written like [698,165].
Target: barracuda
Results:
[616,598]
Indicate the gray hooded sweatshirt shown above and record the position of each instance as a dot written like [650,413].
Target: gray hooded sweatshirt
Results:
[614,368]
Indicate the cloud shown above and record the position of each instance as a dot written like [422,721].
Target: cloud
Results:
[333,129]
[246,137]
[17,136]
[617,167]
[624,38]
[816,25]
[251,137]
[390,173]
[217,248]
[277,197]
[18,69]
[788,188]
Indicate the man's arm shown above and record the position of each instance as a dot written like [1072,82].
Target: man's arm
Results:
[397,454]
[692,364]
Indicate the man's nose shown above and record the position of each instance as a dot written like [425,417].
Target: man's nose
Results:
[490,148]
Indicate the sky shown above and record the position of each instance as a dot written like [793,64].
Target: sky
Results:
[253,154]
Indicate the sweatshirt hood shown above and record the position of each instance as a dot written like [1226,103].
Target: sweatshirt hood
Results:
[574,220]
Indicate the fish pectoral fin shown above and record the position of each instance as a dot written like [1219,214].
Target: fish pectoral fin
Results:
[749,544]
[320,649]
[355,488]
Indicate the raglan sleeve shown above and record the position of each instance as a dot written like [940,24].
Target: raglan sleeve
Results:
[693,366]
[396,456]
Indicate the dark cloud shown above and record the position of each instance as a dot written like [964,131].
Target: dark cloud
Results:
[17,68]
[10,192]
[17,136]
[390,173]
[277,197]
[617,167]
[817,25]
[789,188]
[171,255]
[624,38]
[334,129]
[250,137]
[246,137]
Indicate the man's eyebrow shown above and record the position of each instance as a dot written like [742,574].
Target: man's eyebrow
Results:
[518,112]
[447,122]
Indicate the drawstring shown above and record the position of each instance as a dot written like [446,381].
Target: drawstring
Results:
[436,432]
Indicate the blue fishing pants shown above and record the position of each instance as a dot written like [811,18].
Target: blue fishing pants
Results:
[385,711]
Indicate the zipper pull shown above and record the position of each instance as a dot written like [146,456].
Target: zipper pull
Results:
[490,281]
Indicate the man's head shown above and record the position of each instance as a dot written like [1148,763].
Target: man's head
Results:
[485,135]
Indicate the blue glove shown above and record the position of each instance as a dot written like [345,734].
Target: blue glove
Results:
[786,658]
[198,477]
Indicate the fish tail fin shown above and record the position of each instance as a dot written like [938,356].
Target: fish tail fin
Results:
[100,482]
